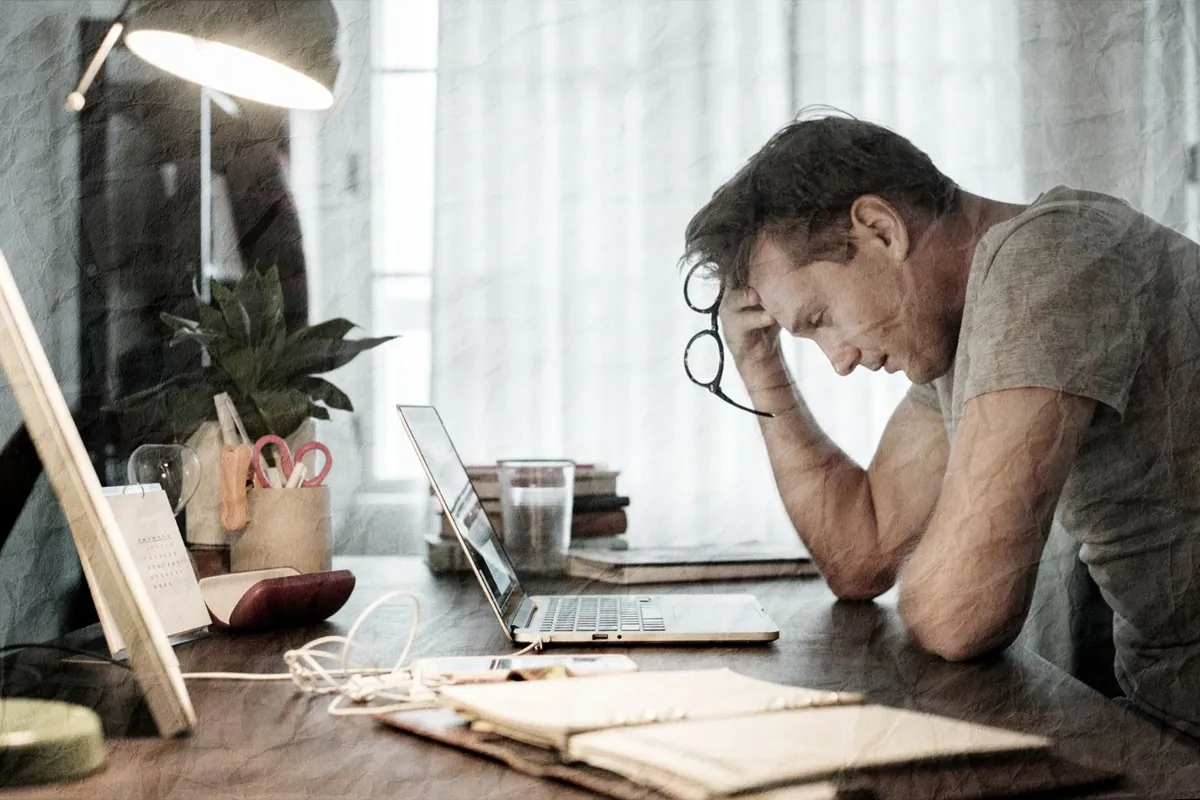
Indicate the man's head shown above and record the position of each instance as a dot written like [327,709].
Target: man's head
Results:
[823,224]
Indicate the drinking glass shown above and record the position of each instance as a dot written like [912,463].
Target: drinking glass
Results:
[536,498]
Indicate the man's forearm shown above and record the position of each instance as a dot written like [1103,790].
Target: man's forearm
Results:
[826,494]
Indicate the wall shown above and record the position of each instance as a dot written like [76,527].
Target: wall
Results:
[38,566]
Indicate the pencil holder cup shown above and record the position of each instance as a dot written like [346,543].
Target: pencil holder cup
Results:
[284,528]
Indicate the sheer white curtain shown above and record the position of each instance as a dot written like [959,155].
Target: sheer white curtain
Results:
[576,138]
[1111,100]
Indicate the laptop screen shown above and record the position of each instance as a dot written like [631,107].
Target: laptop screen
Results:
[461,503]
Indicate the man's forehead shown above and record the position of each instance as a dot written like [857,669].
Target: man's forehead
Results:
[767,260]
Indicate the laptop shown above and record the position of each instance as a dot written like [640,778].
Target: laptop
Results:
[568,619]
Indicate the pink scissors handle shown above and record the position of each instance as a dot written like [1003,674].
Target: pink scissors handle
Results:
[309,447]
[285,457]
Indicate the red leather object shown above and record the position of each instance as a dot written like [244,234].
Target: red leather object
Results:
[274,598]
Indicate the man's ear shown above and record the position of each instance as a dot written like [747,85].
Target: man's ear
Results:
[874,219]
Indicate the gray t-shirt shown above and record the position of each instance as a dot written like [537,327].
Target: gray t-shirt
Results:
[1080,293]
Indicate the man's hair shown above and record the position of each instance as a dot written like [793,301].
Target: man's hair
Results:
[799,187]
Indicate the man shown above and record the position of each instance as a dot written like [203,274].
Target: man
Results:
[1054,351]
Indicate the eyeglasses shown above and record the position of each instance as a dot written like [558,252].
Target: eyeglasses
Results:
[704,355]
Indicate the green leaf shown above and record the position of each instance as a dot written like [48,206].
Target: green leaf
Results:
[253,421]
[241,364]
[204,339]
[282,411]
[318,412]
[314,356]
[178,323]
[234,314]
[210,319]
[329,329]
[262,297]
[182,402]
[189,380]
[324,391]
[279,342]
[185,410]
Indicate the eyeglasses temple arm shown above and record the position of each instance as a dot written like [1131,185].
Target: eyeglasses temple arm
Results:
[736,404]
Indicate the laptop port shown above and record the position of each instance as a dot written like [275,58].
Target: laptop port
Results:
[596,636]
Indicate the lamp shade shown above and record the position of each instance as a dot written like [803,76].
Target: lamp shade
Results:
[280,52]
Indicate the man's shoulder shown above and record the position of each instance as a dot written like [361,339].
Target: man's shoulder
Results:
[1059,298]
[1071,196]
[1065,212]
[1063,228]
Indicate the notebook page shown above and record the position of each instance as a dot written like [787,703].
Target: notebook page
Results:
[548,712]
[699,760]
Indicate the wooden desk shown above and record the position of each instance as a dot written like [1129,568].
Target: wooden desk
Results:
[267,741]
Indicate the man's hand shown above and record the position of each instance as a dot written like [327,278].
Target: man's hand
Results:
[751,334]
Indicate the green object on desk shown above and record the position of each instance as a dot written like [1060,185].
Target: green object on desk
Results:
[45,741]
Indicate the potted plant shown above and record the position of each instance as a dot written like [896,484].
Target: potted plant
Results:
[271,375]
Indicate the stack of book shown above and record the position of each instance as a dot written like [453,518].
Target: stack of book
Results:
[598,521]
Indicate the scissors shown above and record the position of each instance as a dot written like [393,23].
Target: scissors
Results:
[288,460]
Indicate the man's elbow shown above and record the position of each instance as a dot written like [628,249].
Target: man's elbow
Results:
[860,584]
[954,648]
[955,639]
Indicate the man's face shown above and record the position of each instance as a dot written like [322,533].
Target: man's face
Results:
[874,311]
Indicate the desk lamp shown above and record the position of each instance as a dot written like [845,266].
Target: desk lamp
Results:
[278,52]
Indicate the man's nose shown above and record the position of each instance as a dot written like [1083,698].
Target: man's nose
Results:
[844,358]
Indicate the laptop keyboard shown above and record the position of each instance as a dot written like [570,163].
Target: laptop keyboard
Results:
[601,615]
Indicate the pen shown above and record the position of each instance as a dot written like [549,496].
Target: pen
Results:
[297,477]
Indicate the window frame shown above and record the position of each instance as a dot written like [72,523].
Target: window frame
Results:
[376,489]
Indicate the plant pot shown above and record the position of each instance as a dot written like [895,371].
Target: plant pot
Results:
[204,528]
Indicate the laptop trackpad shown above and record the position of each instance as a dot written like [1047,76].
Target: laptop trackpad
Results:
[716,613]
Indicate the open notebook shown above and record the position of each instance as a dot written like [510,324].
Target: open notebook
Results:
[701,734]
[550,713]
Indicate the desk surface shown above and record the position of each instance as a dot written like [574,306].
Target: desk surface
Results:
[257,740]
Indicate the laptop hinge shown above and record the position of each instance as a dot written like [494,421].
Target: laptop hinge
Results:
[524,614]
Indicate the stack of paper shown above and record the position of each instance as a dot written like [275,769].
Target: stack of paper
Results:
[701,734]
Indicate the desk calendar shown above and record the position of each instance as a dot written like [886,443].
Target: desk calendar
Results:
[148,526]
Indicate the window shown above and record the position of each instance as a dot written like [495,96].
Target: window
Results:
[404,101]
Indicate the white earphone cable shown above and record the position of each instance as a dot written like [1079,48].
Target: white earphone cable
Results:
[356,683]
[359,685]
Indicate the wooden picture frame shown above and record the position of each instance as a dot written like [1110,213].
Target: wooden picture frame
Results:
[103,551]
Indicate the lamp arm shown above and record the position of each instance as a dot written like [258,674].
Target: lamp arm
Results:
[76,100]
